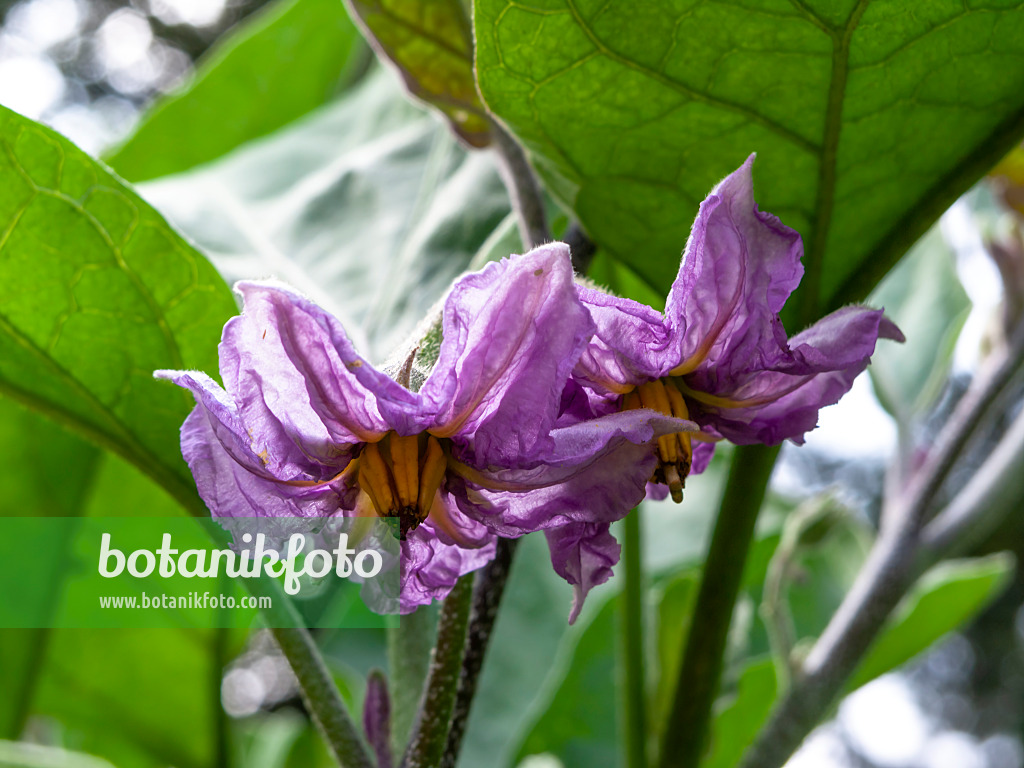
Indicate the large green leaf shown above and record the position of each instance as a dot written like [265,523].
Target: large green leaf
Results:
[740,716]
[923,295]
[139,698]
[97,291]
[370,207]
[431,44]
[943,599]
[869,117]
[282,63]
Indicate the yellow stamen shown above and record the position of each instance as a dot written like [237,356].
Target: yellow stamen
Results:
[654,396]
[675,451]
[375,479]
[401,475]
[631,401]
[404,465]
[431,474]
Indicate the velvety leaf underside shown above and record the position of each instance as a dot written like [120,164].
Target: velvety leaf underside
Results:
[869,118]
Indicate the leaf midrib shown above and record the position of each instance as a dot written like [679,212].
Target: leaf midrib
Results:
[814,259]
[117,439]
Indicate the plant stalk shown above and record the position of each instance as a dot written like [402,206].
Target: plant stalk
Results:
[487,596]
[635,698]
[898,557]
[435,713]
[704,647]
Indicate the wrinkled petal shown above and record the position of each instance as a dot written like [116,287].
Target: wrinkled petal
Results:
[630,344]
[828,356]
[251,450]
[596,472]
[739,267]
[702,455]
[431,567]
[287,355]
[583,554]
[512,334]
[231,490]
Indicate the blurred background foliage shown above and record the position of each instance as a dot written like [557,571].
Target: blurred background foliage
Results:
[271,139]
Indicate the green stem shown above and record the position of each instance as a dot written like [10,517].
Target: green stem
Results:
[409,646]
[704,648]
[487,594]
[321,696]
[317,686]
[435,715]
[633,645]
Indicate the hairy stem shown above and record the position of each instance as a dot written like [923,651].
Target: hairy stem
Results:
[435,714]
[486,599]
[316,685]
[321,697]
[704,647]
[633,645]
[581,248]
[895,561]
[523,188]
[992,493]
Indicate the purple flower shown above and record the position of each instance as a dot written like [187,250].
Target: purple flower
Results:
[305,427]
[719,353]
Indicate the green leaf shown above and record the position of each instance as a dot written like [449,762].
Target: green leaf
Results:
[675,610]
[409,653]
[614,276]
[16,755]
[431,44]
[275,67]
[581,729]
[369,207]
[822,573]
[33,450]
[96,292]
[943,599]
[869,118]
[739,717]
[924,297]
[139,698]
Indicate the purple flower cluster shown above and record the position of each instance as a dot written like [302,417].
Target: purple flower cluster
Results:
[550,407]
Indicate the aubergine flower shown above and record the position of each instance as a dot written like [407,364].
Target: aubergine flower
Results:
[305,427]
[719,354]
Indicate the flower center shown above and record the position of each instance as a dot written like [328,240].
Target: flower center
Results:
[401,475]
[675,451]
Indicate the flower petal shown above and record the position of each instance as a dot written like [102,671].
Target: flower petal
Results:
[583,554]
[739,267]
[293,358]
[512,334]
[248,448]
[826,358]
[430,567]
[629,345]
[232,490]
[596,472]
